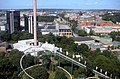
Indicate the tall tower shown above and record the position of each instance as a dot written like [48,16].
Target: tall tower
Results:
[35,23]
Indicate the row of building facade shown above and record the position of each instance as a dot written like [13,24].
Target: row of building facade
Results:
[16,22]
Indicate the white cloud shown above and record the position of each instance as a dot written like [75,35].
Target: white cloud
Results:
[96,3]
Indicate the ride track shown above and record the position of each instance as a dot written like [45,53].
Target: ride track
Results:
[24,70]
[59,54]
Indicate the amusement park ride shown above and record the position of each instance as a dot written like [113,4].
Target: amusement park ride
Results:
[32,47]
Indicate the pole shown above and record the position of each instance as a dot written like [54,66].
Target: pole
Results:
[53,63]
[35,60]
[72,68]
[59,60]
[35,22]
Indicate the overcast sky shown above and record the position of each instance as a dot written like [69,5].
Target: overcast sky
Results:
[61,4]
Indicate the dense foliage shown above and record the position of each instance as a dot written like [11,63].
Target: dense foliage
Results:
[115,36]
[114,17]
[9,64]
[14,37]
[82,33]
[105,60]
[59,74]
[4,36]
[73,24]
[38,72]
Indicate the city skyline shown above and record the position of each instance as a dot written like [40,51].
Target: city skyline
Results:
[59,4]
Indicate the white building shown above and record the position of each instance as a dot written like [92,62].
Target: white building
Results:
[48,27]
[101,29]
[27,46]
[2,27]
[30,24]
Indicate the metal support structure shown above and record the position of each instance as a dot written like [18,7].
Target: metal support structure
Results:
[28,73]
[58,60]
[96,75]
[53,63]
[35,60]
[72,68]
[19,70]
[45,59]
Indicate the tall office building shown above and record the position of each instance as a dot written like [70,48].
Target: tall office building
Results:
[26,21]
[30,24]
[13,21]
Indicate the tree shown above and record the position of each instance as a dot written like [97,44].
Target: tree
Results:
[4,36]
[6,68]
[73,24]
[50,38]
[25,35]
[80,72]
[107,53]
[38,72]
[15,36]
[15,75]
[40,37]
[104,63]
[60,75]
[89,72]
[14,57]
[82,33]
[114,17]
[91,32]
[28,61]
[82,48]
[115,36]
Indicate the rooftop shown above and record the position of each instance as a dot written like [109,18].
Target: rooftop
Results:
[27,46]
[101,27]
[49,30]
[104,40]
[63,26]
[80,38]
[51,26]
